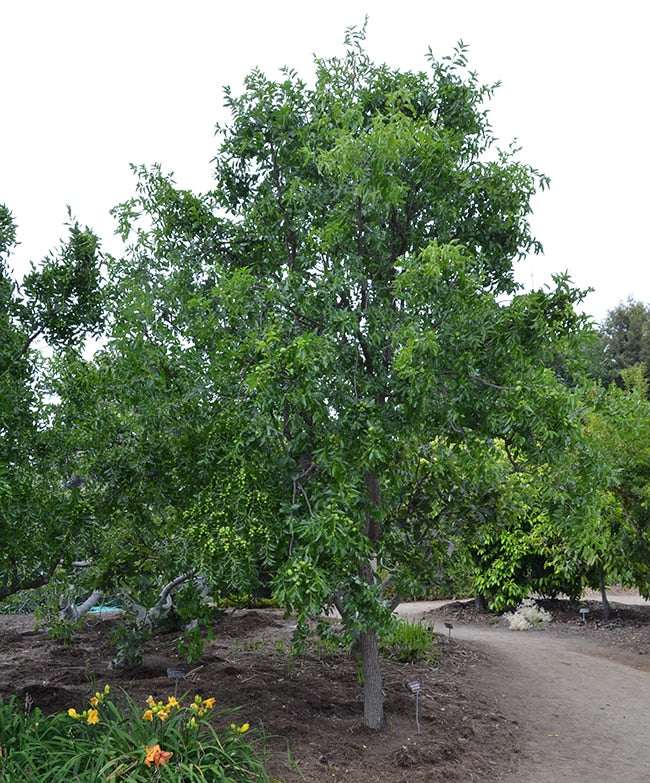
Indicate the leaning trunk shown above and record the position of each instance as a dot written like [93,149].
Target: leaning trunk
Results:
[373,698]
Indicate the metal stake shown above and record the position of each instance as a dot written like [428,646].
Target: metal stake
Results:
[414,687]
[176,675]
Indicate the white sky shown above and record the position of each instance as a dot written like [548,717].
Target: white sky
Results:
[89,86]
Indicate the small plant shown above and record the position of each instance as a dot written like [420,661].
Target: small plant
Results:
[128,638]
[408,642]
[527,615]
[166,741]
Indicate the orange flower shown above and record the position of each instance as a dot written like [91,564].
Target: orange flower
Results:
[156,756]
[93,716]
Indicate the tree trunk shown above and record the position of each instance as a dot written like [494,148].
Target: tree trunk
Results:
[481,603]
[373,697]
[603,592]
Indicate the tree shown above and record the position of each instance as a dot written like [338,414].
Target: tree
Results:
[60,302]
[297,357]
[378,235]
[520,548]
[625,335]
[615,540]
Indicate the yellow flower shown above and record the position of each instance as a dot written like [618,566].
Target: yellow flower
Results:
[93,716]
[157,756]
[95,701]
[162,714]
[73,713]
[107,689]
[240,729]
[172,701]
[209,703]
[148,715]
[151,701]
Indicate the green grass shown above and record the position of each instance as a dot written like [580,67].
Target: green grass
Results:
[409,642]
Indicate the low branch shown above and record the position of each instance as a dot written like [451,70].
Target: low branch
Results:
[146,616]
[69,611]
[16,585]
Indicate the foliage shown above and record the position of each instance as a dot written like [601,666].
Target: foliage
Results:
[61,302]
[616,539]
[625,336]
[528,542]
[300,361]
[168,740]
[63,294]
[316,375]
[408,642]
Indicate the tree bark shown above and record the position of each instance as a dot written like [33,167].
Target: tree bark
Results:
[373,697]
[603,592]
[481,603]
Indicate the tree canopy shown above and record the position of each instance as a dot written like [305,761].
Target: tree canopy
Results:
[625,335]
[59,302]
[294,355]
[319,378]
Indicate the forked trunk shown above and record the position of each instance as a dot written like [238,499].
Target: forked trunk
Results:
[373,698]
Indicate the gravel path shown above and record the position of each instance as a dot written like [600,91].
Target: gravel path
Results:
[585,713]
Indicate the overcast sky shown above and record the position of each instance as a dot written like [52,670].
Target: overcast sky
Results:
[90,86]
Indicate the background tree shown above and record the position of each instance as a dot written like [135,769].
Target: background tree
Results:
[60,302]
[625,336]
[615,540]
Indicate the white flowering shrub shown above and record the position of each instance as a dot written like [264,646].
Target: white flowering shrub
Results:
[527,615]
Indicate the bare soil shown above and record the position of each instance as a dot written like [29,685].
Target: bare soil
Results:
[491,708]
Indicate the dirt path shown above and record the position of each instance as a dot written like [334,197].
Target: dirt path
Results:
[584,709]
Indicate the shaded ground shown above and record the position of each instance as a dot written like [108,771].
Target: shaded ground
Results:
[312,705]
